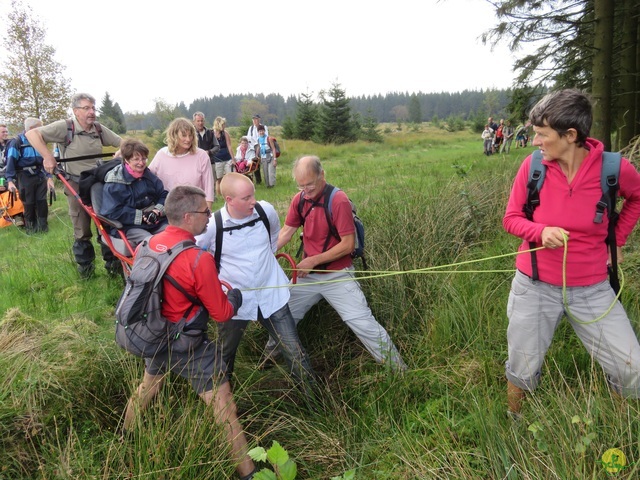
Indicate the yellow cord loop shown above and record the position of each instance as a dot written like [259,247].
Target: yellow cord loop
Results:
[565,301]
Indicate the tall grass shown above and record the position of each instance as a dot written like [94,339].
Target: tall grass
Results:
[428,199]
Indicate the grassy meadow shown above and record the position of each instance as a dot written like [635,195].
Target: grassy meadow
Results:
[428,198]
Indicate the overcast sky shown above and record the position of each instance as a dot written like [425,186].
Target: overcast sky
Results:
[142,50]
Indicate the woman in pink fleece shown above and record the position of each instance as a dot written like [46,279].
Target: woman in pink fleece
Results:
[568,198]
[181,162]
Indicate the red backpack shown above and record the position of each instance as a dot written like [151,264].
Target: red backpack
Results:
[275,144]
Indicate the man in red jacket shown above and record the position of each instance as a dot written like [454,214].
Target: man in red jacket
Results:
[194,270]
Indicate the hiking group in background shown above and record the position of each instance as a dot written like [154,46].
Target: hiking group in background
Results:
[498,137]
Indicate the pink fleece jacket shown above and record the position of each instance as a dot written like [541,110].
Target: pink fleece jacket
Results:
[571,206]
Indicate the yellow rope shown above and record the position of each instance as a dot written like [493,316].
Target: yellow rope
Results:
[367,274]
[364,274]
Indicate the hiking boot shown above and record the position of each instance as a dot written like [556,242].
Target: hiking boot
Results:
[42,225]
[515,417]
[114,268]
[86,270]
[268,359]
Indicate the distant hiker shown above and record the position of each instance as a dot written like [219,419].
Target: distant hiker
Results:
[24,167]
[194,270]
[78,136]
[268,160]
[326,271]
[507,132]
[487,140]
[245,156]
[243,236]
[569,206]
[222,160]
[252,135]
[498,137]
[4,138]
[207,140]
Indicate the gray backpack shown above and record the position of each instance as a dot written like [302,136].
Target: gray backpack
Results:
[140,327]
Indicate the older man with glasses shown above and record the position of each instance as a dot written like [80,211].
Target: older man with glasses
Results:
[326,270]
[79,136]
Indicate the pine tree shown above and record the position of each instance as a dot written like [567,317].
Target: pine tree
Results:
[111,115]
[370,131]
[335,122]
[415,110]
[31,82]
[306,117]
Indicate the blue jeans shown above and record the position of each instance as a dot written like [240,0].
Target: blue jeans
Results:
[280,326]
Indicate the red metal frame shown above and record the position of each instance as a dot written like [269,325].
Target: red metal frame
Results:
[100,222]
[294,271]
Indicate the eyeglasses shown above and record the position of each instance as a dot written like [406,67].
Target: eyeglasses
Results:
[137,160]
[206,212]
[308,186]
[87,108]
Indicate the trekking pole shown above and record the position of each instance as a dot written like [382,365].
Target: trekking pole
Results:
[86,157]
[52,196]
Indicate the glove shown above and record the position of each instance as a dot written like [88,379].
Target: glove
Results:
[235,299]
[150,218]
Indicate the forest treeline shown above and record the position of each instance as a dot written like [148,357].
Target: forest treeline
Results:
[388,108]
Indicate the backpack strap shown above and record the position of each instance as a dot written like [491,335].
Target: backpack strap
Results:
[609,181]
[181,289]
[70,132]
[329,203]
[173,253]
[609,184]
[217,216]
[262,217]
[99,130]
[71,129]
[536,178]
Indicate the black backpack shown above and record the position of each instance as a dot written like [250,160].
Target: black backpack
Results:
[328,194]
[140,327]
[609,184]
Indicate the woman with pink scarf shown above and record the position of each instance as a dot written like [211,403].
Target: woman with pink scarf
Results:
[133,195]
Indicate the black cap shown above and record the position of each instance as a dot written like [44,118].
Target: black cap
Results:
[256,116]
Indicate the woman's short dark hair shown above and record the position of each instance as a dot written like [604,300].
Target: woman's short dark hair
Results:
[562,110]
[129,146]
